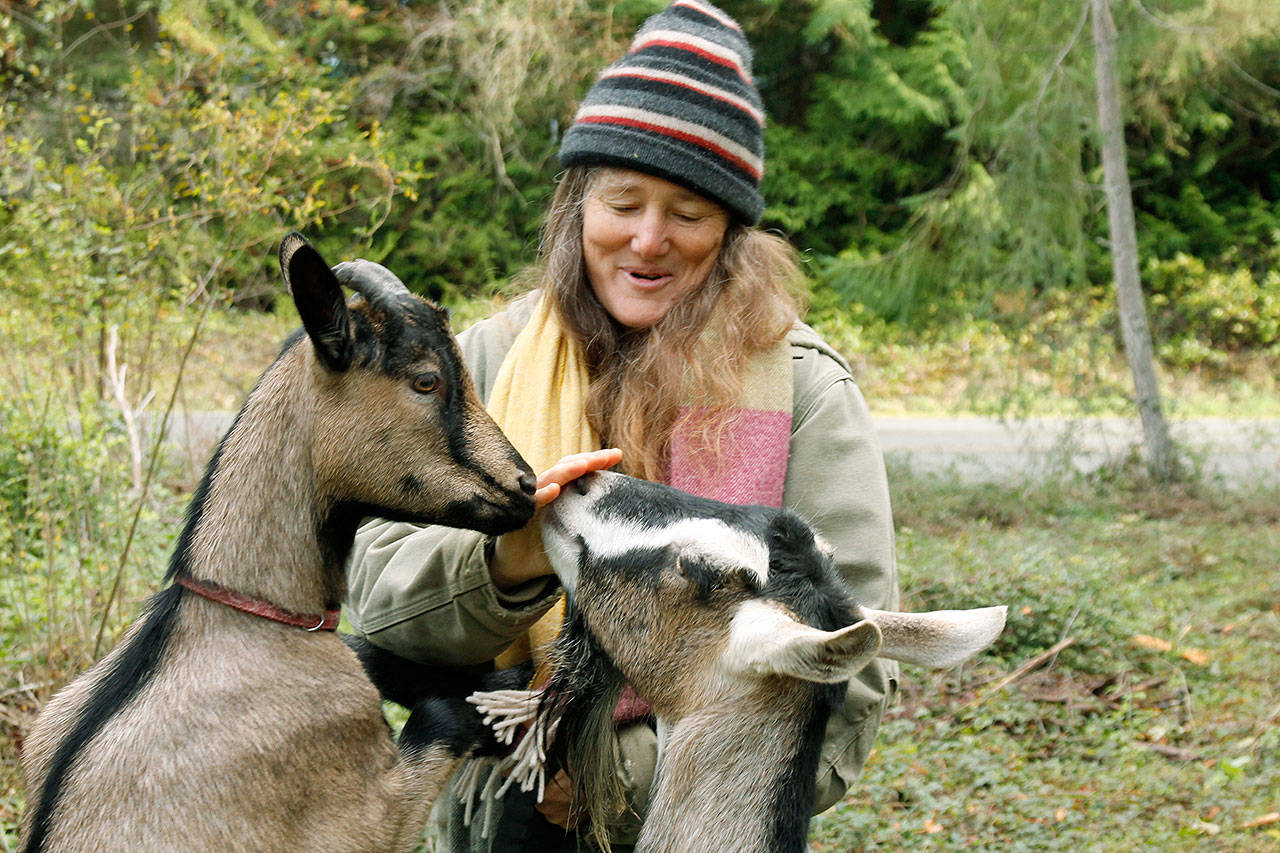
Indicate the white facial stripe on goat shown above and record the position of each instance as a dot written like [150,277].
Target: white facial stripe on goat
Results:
[720,543]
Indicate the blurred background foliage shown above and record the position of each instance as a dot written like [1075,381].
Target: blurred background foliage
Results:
[932,159]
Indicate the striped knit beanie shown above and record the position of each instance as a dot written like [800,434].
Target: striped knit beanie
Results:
[680,105]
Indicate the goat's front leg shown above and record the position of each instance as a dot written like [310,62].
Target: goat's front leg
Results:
[411,684]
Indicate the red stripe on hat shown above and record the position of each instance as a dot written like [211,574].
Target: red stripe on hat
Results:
[710,93]
[675,134]
[705,54]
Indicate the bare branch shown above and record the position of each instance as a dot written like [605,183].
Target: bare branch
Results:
[1062,55]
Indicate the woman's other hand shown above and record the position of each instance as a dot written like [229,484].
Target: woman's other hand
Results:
[517,557]
[557,802]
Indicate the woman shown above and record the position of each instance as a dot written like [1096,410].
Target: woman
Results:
[661,327]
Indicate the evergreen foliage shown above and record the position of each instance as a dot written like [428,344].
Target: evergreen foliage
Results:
[930,157]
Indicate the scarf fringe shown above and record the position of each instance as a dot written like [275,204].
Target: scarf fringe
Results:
[507,712]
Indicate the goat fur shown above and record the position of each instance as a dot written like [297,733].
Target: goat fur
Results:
[734,624]
[210,728]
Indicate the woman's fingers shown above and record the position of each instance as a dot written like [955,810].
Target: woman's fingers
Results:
[570,468]
[546,494]
[575,465]
[516,556]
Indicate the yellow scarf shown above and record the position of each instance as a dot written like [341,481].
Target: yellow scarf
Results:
[538,400]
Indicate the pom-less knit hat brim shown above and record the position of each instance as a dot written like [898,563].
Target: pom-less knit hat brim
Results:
[681,106]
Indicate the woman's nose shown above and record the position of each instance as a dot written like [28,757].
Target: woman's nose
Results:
[650,237]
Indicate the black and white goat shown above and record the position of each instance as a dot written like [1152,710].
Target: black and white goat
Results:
[733,623]
[228,718]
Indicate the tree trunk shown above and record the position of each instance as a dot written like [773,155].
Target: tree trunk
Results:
[1124,247]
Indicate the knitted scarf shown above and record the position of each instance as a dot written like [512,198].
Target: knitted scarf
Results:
[538,400]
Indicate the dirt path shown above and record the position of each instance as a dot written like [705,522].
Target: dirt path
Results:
[1246,451]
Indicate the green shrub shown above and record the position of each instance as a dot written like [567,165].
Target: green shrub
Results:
[1200,314]
[66,504]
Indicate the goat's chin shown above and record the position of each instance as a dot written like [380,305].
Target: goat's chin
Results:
[473,513]
[486,516]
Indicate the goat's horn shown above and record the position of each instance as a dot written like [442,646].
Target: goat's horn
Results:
[372,281]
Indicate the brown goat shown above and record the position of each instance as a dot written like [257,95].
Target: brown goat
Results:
[209,727]
[733,623]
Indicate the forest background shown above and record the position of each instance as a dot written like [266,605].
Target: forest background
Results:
[935,161]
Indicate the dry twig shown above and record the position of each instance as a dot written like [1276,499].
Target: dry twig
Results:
[1021,672]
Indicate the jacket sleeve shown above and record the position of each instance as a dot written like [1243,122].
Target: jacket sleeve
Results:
[836,481]
[424,592]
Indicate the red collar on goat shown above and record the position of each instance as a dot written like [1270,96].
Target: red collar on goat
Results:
[258,607]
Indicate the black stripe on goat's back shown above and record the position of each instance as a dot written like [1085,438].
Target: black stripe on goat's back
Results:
[804,579]
[129,673]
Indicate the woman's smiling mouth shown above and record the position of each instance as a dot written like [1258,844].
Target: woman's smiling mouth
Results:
[647,279]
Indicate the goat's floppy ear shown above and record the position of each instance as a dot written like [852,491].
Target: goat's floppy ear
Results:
[320,302]
[764,640]
[937,638]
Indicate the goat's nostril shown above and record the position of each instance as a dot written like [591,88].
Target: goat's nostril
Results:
[528,483]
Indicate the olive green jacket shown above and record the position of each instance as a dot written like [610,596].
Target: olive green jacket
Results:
[425,592]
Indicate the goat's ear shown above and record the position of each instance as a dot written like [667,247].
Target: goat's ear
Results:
[320,302]
[937,638]
[764,640]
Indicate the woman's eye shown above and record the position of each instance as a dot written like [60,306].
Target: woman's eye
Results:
[426,383]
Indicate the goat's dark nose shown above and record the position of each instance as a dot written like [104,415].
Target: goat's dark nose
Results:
[528,483]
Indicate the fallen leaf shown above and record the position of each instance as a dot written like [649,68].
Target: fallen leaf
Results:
[1199,657]
[1149,642]
[931,826]
[1060,815]
[1207,828]
[1264,820]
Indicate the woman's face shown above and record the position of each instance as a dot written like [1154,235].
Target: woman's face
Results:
[648,243]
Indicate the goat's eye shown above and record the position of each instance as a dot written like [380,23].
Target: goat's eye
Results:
[426,383]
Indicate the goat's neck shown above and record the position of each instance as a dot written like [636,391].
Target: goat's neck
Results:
[733,776]
[258,528]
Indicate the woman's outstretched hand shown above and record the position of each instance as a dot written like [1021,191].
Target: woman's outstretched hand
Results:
[517,556]
[570,468]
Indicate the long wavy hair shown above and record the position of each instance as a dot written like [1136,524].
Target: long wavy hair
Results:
[640,377]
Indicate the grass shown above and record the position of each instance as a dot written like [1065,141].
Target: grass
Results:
[1113,743]
[1153,728]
